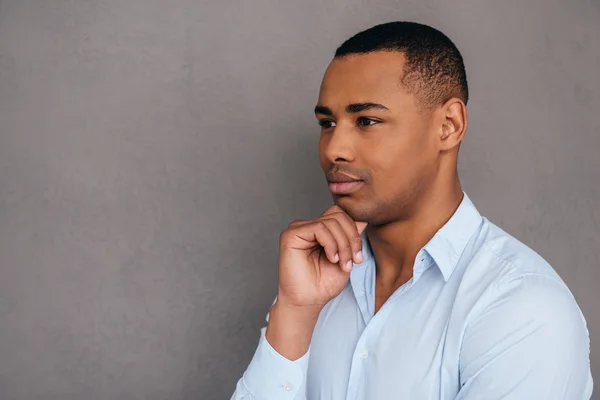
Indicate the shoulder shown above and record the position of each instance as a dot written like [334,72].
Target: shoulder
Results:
[520,282]
[516,259]
[525,333]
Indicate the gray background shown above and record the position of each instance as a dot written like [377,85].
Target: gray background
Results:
[151,152]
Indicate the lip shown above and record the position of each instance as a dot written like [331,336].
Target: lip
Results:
[344,187]
[341,177]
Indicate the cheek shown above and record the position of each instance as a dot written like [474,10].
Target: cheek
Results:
[397,165]
[322,157]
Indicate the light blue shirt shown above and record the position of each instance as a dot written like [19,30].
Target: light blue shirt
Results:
[484,317]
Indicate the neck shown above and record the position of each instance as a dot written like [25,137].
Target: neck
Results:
[396,245]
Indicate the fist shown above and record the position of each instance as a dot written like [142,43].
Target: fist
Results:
[316,257]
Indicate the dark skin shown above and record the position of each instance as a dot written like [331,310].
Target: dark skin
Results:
[375,129]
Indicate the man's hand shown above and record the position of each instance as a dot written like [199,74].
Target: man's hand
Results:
[315,260]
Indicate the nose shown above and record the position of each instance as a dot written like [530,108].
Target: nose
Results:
[338,145]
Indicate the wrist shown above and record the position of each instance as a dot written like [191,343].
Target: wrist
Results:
[290,328]
[298,311]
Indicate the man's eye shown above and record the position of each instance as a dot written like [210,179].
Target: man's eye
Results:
[364,121]
[326,123]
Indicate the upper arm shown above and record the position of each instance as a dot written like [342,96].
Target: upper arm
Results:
[529,342]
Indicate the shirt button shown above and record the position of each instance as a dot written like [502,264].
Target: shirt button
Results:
[287,387]
[364,354]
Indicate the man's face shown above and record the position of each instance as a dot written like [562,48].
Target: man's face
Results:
[372,129]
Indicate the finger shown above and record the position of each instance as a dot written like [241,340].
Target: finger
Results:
[332,210]
[344,246]
[315,232]
[350,228]
[361,226]
[298,222]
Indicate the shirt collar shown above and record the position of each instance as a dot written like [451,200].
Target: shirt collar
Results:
[448,243]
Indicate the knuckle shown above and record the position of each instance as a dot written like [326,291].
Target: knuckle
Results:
[332,220]
[326,221]
[284,234]
[335,209]
[345,247]
[320,225]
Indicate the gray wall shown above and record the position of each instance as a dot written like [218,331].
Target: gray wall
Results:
[151,152]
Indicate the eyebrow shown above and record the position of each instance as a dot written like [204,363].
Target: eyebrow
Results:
[352,108]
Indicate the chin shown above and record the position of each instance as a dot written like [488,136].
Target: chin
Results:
[374,215]
[356,211]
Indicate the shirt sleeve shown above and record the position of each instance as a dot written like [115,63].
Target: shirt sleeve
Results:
[271,376]
[530,342]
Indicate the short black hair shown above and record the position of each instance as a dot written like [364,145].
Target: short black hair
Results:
[434,70]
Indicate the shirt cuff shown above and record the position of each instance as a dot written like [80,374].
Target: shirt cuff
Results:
[272,376]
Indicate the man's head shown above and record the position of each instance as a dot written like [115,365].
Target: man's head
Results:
[392,113]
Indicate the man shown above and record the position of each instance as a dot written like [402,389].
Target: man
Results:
[402,290]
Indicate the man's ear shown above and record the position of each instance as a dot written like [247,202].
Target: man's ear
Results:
[453,123]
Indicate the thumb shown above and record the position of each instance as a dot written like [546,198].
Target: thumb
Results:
[360,226]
